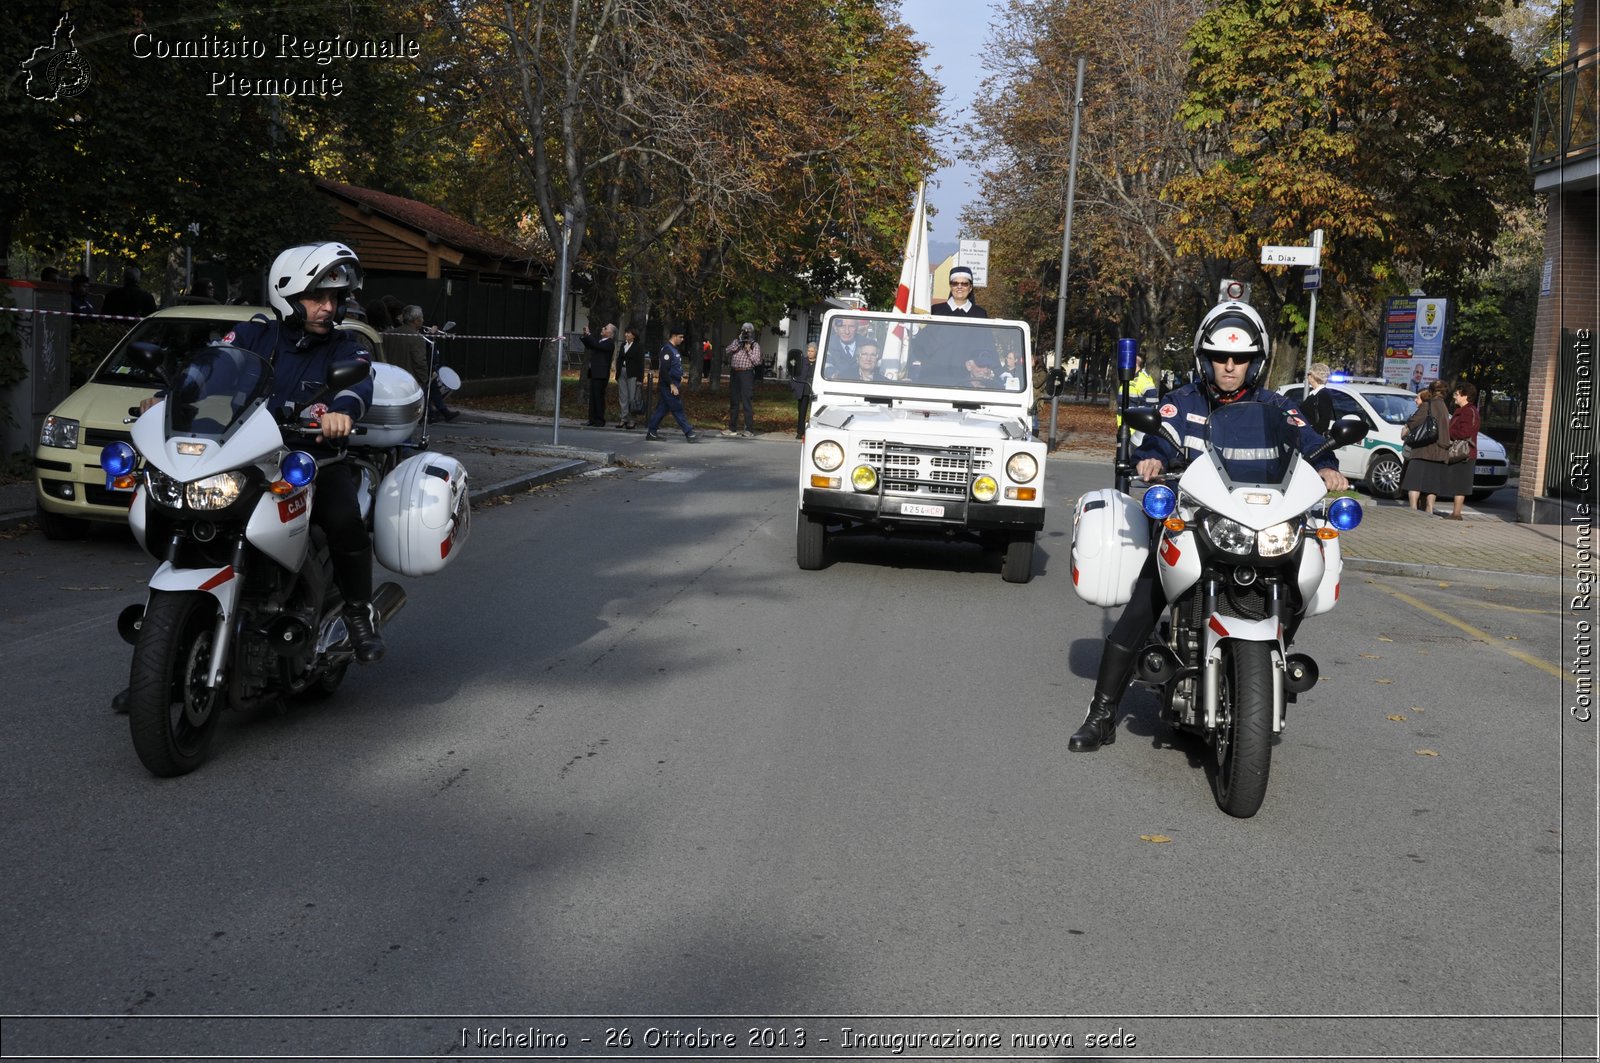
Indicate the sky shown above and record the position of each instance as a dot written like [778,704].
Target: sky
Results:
[955,35]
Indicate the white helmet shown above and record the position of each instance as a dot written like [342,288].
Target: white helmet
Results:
[1234,328]
[311,267]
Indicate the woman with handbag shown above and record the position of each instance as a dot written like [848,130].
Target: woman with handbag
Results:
[1462,455]
[1425,472]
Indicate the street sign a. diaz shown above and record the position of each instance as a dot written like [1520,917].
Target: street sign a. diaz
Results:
[1281,255]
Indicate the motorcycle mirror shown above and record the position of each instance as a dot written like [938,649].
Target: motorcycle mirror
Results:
[147,354]
[449,379]
[1143,419]
[1344,432]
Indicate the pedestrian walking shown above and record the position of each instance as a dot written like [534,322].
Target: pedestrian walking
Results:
[669,378]
[744,355]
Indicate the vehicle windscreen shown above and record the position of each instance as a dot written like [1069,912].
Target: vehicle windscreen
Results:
[928,352]
[216,390]
[1254,443]
[176,336]
[1396,409]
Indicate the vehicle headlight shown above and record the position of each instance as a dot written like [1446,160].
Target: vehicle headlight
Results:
[59,432]
[1022,468]
[864,478]
[164,490]
[215,492]
[827,455]
[1230,535]
[1278,539]
[984,488]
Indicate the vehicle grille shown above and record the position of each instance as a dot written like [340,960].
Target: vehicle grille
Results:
[104,437]
[934,472]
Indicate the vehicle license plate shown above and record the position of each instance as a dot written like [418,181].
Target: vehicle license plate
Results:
[917,509]
[1484,470]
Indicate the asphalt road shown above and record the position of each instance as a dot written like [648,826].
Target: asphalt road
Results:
[627,768]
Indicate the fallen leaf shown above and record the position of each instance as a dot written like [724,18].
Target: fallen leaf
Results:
[1385,638]
[1384,681]
[1157,838]
[1513,638]
[1426,753]
[1444,584]
[1396,717]
[1373,656]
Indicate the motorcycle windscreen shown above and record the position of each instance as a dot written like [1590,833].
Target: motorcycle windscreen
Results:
[1253,443]
[217,389]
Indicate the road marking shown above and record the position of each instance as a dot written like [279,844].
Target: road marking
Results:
[1478,634]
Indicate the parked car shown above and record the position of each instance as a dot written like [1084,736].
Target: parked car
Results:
[1378,460]
[70,487]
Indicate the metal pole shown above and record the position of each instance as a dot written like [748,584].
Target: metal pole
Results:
[1066,247]
[561,324]
[1311,326]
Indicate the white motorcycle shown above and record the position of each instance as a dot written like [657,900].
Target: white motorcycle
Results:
[243,610]
[1246,548]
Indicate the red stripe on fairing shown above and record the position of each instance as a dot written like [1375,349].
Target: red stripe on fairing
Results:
[1170,552]
[1218,628]
[1336,587]
[218,580]
[1074,575]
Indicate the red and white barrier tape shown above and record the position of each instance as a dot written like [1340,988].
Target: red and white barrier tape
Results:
[96,317]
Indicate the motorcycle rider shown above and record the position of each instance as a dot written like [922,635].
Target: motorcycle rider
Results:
[307,288]
[1231,352]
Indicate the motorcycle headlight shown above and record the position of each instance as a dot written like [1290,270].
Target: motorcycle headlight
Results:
[827,455]
[215,492]
[164,490]
[59,432]
[1278,539]
[1022,468]
[1230,535]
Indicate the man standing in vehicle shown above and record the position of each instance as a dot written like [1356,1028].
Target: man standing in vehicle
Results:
[1231,350]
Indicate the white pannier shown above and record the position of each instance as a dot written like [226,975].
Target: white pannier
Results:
[422,515]
[396,408]
[1110,539]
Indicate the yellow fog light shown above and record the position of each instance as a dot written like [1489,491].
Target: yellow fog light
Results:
[864,478]
[984,488]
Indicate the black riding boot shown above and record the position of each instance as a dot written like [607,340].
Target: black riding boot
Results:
[353,573]
[1100,725]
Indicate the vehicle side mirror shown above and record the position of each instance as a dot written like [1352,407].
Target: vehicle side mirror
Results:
[1345,431]
[1143,419]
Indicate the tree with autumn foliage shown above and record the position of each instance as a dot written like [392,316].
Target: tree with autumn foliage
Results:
[1388,126]
[686,164]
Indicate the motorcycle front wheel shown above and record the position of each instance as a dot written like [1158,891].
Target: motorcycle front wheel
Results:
[1243,740]
[172,714]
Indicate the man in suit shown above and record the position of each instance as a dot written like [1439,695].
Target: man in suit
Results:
[630,371]
[960,303]
[599,371]
[1318,404]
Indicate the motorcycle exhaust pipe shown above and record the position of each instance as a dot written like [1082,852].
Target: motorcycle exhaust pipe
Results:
[1300,673]
[129,621]
[387,601]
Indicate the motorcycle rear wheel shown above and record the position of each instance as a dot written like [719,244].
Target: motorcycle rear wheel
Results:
[172,714]
[1243,740]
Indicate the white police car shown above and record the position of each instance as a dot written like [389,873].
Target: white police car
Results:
[1378,460]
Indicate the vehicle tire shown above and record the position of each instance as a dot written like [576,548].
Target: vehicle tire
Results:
[1243,742]
[1018,566]
[172,714]
[57,528]
[810,542]
[1383,474]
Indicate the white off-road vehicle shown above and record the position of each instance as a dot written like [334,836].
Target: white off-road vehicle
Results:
[922,426]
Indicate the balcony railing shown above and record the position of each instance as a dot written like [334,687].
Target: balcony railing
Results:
[1566,113]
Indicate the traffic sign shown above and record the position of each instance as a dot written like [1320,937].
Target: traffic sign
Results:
[1279,255]
[1311,280]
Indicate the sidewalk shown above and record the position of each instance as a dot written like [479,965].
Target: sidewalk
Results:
[1391,540]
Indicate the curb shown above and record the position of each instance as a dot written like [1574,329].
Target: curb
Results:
[1417,570]
[527,480]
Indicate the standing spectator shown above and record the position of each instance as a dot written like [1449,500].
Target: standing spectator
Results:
[800,384]
[960,303]
[796,356]
[82,303]
[744,355]
[630,371]
[1319,400]
[408,348]
[1040,377]
[599,371]
[1464,424]
[1424,476]
[669,378]
[705,362]
[130,300]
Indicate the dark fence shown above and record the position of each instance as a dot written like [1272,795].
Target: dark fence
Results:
[499,322]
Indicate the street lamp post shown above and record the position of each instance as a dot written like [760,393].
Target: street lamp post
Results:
[1066,252]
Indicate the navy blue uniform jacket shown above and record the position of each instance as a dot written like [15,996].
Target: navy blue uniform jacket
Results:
[1187,410]
[301,361]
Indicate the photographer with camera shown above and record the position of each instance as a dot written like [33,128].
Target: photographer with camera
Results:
[745,355]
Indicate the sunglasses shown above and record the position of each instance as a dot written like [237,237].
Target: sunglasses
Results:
[960,284]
